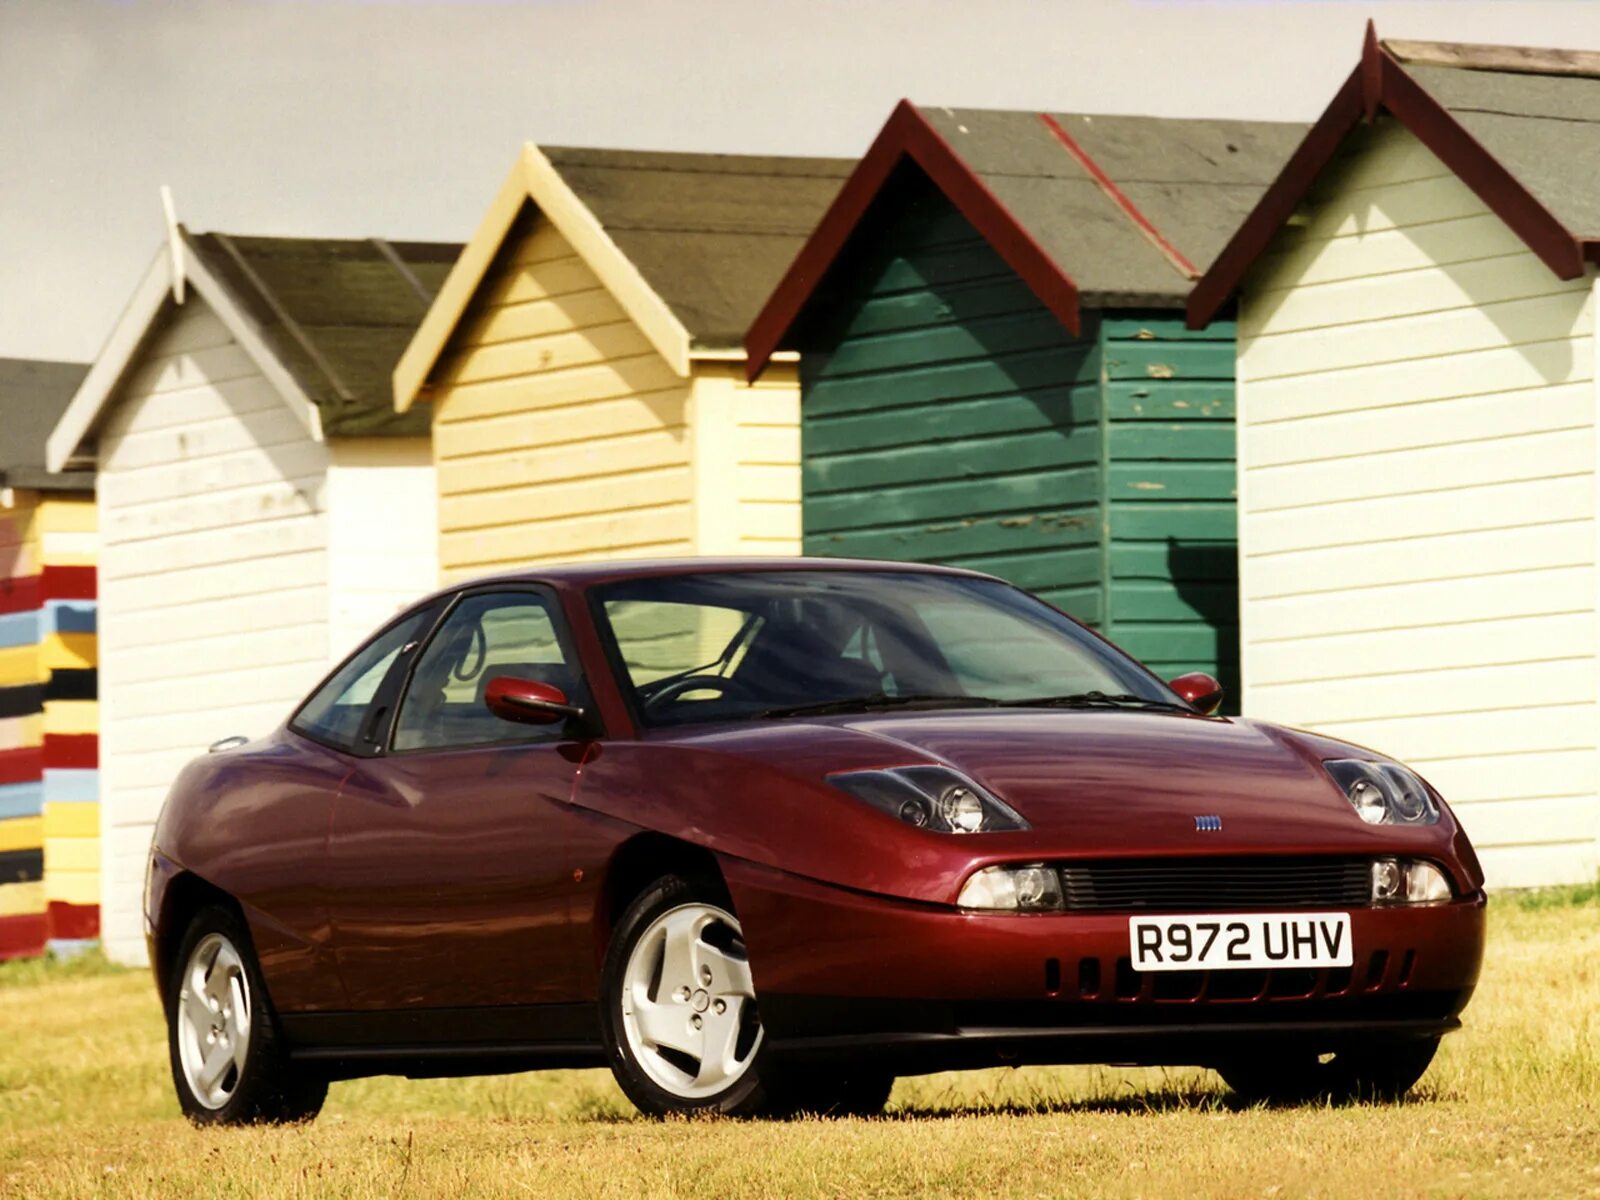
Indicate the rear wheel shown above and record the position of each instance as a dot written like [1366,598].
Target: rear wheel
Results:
[228,1061]
[1382,1072]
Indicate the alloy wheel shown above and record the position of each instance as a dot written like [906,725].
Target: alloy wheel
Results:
[213,1015]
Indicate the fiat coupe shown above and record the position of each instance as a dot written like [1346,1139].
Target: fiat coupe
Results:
[763,835]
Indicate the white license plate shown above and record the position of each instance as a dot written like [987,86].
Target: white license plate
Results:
[1237,942]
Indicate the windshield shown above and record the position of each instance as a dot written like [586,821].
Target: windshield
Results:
[748,644]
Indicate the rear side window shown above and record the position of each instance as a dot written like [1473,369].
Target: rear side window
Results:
[337,710]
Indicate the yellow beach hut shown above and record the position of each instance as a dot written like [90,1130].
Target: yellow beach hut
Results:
[584,366]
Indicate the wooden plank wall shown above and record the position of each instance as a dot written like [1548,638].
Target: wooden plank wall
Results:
[559,433]
[49,822]
[214,580]
[1172,557]
[1417,449]
[383,533]
[951,418]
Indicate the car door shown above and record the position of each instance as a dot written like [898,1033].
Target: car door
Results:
[448,851]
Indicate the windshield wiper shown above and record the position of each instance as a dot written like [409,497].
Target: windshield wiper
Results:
[1100,699]
[879,701]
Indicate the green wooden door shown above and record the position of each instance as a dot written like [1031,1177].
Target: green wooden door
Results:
[1172,548]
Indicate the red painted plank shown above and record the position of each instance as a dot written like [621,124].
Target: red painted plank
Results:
[21,766]
[22,936]
[68,583]
[72,922]
[25,593]
[76,750]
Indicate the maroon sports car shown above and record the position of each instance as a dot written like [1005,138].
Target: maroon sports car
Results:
[762,835]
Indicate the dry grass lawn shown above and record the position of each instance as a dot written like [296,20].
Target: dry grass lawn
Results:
[1511,1108]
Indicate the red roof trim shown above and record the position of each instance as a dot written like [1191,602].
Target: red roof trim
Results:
[1381,82]
[907,134]
[1119,198]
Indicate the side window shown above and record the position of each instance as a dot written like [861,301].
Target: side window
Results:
[485,636]
[336,710]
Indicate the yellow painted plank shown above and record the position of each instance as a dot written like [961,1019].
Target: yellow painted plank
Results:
[68,549]
[69,651]
[72,854]
[621,456]
[557,501]
[67,516]
[540,318]
[21,833]
[71,716]
[18,733]
[533,356]
[73,888]
[22,899]
[574,424]
[71,819]
[626,377]
[20,664]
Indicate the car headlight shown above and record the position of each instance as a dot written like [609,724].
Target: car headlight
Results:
[1384,793]
[935,798]
[1035,888]
[1403,881]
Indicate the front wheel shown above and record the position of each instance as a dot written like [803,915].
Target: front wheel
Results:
[1382,1072]
[678,1006]
[228,1062]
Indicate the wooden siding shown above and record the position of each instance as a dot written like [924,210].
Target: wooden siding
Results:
[1172,553]
[948,417]
[559,432]
[49,823]
[214,579]
[1417,452]
[383,533]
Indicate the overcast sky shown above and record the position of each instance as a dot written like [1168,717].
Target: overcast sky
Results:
[399,119]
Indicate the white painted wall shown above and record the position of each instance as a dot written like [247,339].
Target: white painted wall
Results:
[214,598]
[1417,452]
[383,533]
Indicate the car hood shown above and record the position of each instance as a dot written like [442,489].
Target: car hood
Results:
[1095,775]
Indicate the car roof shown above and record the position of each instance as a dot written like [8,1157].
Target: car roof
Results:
[588,574]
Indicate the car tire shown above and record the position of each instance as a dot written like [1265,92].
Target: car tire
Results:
[226,1050]
[1381,1073]
[682,1034]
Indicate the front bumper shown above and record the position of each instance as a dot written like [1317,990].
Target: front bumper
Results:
[843,973]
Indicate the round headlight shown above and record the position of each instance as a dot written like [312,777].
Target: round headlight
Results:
[961,809]
[1410,800]
[1370,803]
[915,812]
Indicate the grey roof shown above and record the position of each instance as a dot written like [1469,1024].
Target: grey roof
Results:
[33,395]
[711,233]
[1543,128]
[338,313]
[1193,180]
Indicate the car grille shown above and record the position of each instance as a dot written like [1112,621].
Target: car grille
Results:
[1215,884]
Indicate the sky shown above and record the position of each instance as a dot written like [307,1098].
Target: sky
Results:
[400,118]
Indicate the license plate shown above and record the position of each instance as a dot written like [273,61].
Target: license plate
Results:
[1235,942]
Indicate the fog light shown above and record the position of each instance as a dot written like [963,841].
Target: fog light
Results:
[1035,888]
[1401,881]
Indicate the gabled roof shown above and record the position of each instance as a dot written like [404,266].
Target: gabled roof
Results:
[689,244]
[1090,211]
[1519,126]
[33,395]
[324,319]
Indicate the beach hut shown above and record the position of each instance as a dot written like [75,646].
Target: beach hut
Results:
[49,820]
[582,364]
[995,371]
[261,506]
[1417,436]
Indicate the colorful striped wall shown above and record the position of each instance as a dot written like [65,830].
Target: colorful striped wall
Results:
[49,788]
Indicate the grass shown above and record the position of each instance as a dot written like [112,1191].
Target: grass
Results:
[1510,1108]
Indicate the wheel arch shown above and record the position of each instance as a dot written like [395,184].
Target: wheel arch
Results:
[637,863]
[186,894]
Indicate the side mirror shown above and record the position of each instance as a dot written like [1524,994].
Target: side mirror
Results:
[1200,690]
[528,702]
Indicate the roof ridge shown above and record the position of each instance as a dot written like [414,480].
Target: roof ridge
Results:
[1485,56]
